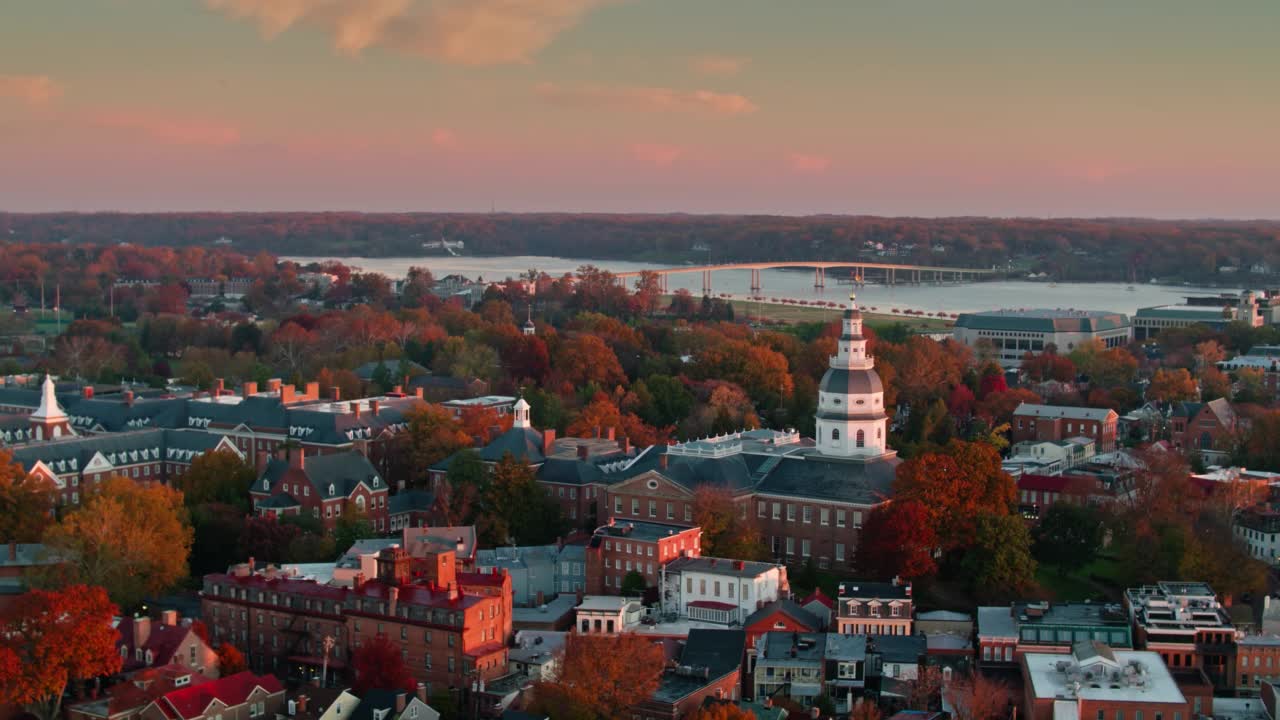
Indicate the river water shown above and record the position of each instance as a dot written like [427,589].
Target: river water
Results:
[798,285]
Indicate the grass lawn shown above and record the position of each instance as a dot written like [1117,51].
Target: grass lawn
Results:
[1096,581]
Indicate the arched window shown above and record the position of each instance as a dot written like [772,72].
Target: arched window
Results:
[835,434]
[862,439]
[360,502]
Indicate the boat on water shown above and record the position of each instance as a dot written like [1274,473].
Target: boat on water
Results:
[1131,289]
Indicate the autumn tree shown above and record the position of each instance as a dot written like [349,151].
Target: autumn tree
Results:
[432,434]
[1172,386]
[51,639]
[586,359]
[353,525]
[923,693]
[217,477]
[518,508]
[955,487]
[998,408]
[979,697]
[865,709]
[726,532]
[897,539]
[601,677]
[999,564]
[1048,366]
[1105,367]
[26,503]
[129,538]
[378,665]
[230,660]
[1214,384]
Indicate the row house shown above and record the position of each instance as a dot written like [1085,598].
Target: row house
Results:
[874,608]
[126,700]
[243,696]
[719,590]
[148,643]
[1257,662]
[1006,633]
[1032,422]
[623,547]
[77,465]
[452,628]
[1187,625]
[708,668]
[321,486]
[806,666]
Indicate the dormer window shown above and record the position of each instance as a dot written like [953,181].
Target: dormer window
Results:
[376,482]
[150,657]
[124,652]
[266,484]
[332,490]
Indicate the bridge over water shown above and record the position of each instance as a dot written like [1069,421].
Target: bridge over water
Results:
[859,271]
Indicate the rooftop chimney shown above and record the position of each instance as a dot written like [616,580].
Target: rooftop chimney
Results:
[373,407]
[355,408]
[298,458]
[273,385]
[417,392]
[250,388]
[610,433]
[400,702]
[393,597]
[128,397]
[287,394]
[663,460]
[260,462]
[87,392]
[169,617]
[548,441]
[218,387]
[300,704]
[422,692]
[624,444]
[397,390]
[141,630]
[595,432]
[335,393]
[313,391]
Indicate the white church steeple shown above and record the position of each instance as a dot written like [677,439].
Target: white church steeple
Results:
[851,419]
[49,421]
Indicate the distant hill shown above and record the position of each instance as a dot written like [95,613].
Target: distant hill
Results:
[1068,249]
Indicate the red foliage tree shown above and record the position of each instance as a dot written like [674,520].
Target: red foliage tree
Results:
[230,660]
[897,539]
[955,487]
[961,403]
[378,664]
[602,676]
[49,640]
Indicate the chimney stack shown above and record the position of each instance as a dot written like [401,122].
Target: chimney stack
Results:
[624,444]
[548,441]
[422,692]
[355,408]
[610,433]
[128,398]
[417,392]
[218,387]
[373,407]
[595,432]
[393,597]
[250,388]
[273,385]
[335,393]
[301,704]
[313,391]
[287,394]
[141,630]
[260,462]
[397,390]
[663,459]
[298,458]
[87,392]
[169,618]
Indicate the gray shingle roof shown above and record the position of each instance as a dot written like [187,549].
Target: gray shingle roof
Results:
[788,607]
[820,477]
[410,500]
[345,471]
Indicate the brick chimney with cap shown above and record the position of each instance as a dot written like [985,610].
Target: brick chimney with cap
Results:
[663,460]
[355,408]
[298,458]
[548,441]
[335,393]
[300,704]
[218,387]
[249,388]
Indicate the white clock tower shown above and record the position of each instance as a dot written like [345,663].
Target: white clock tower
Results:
[851,418]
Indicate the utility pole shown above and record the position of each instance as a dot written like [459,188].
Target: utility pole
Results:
[324,667]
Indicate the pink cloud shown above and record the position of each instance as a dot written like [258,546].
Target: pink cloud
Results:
[172,130]
[444,138]
[651,99]
[718,65]
[30,89]
[807,163]
[468,32]
[656,154]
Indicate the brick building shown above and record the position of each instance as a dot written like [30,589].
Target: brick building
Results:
[1186,624]
[1060,422]
[628,546]
[1095,682]
[148,643]
[321,486]
[452,627]
[874,608]
[1005,634]
[1211,428]
[709,667]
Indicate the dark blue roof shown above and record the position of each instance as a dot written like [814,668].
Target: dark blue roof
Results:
[860,482]
[344,471]
[410,500]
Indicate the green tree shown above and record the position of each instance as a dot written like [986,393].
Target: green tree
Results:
[529,513]
[352,525]
[1000,565]
[664,400]
[633,583]
[217,477]
[381,378]
[1068,536]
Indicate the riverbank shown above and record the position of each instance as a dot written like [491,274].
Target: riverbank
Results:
[788,313]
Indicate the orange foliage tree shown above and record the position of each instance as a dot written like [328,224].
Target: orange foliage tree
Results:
[587,359]
[602,676]
[978,697]
[230,660]
[1172,386]
[955,487]
[378,664]
[49,640]
[897,539]
[26,503]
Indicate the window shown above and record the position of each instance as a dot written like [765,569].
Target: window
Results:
[653,508]
[806,514]
[839,552]
[688,585]
[777,511]
[716,592]
[804,547]
[702,587]
[688,513]
[791,546]
[761,506]
[839,518]
[824,516]
[835,435]
[791,512]
[635,506]
[617,506]
[671,511]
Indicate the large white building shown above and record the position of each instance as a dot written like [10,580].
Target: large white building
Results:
[851,418]
[720,590]
[1014,333]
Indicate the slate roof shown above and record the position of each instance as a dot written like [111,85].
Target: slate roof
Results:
[279,501]
[523,444]
[366,371]
[720,651]
[374,700]
[143,687]
[72,454]
[162,640]
[843,382]
[821,477]
[1062,411]
[115,415]
[565,471]
[899,648]
[410,500]
[345,471]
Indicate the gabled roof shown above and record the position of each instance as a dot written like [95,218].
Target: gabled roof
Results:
[73,454]
[819,597]
[1065,412]
[345,471]
[409,501]
[191,702]
[144,687]
[819,477]
[788,608]
[162,641]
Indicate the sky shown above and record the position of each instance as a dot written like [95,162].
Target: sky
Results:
[1156,108]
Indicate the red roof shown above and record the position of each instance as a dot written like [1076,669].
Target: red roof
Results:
[821,597]
[712,605]
[191,702]
[1051,483]
[162,641]
[140,690]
